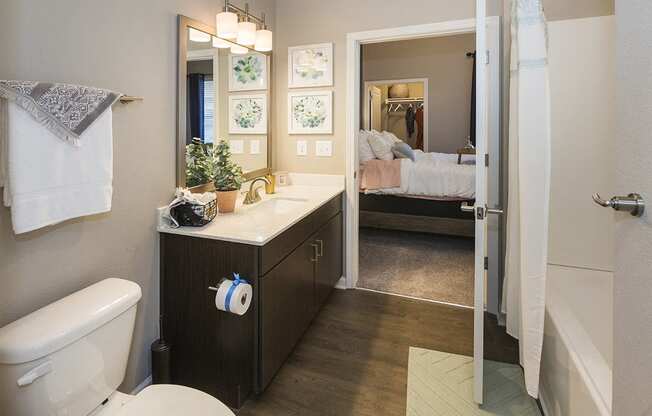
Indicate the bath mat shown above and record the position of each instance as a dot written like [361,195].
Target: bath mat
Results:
[440,383]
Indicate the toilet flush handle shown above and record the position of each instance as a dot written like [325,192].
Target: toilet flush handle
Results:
[35,373]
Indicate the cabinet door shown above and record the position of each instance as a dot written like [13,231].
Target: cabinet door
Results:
[329,264]
[286,308]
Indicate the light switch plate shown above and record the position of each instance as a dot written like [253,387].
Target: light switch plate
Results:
[324,148]
[237,146]
[302,148]
[254,147]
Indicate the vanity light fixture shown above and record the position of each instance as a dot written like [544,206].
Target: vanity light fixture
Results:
[227,23]
[263,38]
[238,50]
[243,28]
[221,43]
[198,36]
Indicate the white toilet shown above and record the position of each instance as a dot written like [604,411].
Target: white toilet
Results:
[68,359]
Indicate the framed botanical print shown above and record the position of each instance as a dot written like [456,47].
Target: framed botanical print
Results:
[310,112]
[248,114]
[310,65]
[247,72]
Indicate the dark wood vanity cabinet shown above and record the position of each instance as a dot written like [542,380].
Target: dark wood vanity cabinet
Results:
[291,294]
[230,356]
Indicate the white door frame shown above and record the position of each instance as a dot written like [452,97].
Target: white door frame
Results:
[367,84]
[448,28]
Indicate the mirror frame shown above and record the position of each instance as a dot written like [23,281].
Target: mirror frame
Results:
[184,23]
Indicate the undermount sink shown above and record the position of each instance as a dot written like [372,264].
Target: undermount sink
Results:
[278,206]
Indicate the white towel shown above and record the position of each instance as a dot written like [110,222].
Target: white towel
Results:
[51,181]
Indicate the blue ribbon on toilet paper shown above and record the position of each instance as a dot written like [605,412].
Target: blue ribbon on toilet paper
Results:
[236,281]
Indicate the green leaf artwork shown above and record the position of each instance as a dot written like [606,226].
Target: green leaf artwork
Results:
[247,113]
[312,64]
[248,69]
[309,112]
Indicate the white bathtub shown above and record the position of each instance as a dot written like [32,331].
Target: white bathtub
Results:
[578,343]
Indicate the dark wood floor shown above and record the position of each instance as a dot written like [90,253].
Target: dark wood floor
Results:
[353,360]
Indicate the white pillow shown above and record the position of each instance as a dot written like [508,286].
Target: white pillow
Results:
[382,146]
[392,137]
[364,149]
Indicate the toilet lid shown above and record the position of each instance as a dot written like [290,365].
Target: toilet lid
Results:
[173,400]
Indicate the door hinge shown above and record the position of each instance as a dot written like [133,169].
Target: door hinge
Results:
[488,55]
[486,159]
[486,263]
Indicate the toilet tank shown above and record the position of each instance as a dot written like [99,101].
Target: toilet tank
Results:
[68,357]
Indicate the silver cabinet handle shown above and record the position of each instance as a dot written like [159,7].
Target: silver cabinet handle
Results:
[320,253]
[316,253]
[632,203]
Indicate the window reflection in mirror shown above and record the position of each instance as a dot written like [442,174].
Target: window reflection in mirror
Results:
[227,97]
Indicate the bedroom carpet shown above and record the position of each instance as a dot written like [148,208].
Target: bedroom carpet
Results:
[426,266]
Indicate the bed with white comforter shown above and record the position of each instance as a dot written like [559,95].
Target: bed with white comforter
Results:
[435,175]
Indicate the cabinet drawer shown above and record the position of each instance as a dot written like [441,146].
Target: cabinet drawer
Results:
[277,249]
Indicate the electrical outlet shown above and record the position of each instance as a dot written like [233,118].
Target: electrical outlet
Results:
[254,147]
[324,148]
[302,148]
[236,146]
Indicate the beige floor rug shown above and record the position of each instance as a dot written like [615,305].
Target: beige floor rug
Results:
[425,266]
[441,384]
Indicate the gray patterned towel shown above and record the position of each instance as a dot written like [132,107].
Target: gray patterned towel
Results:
[66,110]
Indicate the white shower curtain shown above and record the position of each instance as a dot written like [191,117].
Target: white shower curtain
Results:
[529,186]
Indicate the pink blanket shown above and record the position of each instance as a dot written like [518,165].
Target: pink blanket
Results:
[377,174]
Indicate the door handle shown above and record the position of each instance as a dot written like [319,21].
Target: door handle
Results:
[316,252]
[632,203]
[320,253]
[481,211]
[466,207]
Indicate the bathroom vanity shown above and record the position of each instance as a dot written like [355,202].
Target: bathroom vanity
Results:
[289,247]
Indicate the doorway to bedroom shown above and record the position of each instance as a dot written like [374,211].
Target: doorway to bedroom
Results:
[413,238]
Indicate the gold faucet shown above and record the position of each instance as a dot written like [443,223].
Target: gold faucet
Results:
[252,196]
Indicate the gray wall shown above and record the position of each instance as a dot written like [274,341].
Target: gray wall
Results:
[632,368]
[314,21]
[449,71]
[128,46]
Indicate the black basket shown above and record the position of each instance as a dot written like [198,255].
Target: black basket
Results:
[194,215]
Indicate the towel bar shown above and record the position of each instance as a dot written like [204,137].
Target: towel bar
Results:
[125,99]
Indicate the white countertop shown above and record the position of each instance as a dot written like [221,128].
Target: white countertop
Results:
[259,223]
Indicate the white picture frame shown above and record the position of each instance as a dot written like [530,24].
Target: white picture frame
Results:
[310,65]
[318,105]
[248,72]
[248,114]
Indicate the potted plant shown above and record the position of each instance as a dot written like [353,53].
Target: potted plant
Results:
[228,177]
[199,163]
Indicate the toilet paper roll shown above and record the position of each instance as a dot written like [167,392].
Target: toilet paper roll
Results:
[234,296]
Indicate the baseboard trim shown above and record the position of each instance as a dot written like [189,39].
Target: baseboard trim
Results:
[341,284]
[142,385]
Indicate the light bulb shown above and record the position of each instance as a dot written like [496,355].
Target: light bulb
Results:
[238,50]
[227,25]
[263,40]
[246,33]
[221,43]
[198,36]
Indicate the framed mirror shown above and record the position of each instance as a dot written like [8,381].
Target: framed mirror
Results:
[224,92]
